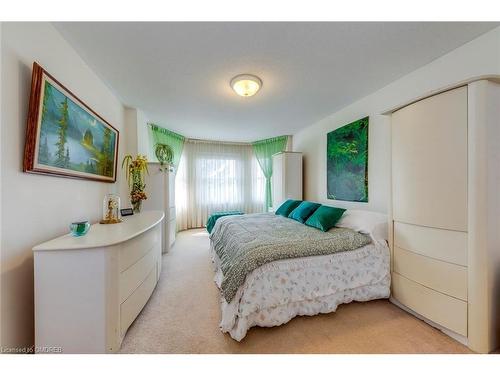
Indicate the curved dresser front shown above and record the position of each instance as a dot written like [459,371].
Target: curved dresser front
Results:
[89,290]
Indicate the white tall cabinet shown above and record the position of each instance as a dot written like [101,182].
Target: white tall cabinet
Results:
[160,188]
[445,211]
[287,177]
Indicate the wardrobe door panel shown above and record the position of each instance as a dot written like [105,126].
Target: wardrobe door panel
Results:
[429,161]
[278,182]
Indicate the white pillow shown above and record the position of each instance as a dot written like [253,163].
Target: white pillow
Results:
[368,222]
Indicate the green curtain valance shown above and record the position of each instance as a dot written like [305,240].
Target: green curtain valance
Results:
[165,136]
[264,150]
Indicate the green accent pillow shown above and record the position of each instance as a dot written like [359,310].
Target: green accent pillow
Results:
[303,211]
[325,217]
[287,207]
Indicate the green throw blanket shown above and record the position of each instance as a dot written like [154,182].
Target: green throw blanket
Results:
[217,215]
[244,243]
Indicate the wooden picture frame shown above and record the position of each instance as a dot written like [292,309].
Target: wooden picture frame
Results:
[64,136]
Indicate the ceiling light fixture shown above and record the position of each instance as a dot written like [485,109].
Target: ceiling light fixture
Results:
[246,84]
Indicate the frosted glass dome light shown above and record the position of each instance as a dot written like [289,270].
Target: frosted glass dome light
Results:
[246,84]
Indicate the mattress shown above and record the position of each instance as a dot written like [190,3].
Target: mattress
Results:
[278,291]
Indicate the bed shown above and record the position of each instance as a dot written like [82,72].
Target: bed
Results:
[270,268]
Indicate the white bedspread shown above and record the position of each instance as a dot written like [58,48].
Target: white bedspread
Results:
[278,291]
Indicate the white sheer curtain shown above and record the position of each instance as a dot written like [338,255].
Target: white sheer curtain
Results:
[216,176]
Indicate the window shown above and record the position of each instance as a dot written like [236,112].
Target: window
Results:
[218,183]
[215,176]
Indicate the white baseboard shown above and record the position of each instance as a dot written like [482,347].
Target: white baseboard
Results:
[461,339]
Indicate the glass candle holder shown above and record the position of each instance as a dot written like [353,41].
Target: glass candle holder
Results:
[111,209]
[79,228]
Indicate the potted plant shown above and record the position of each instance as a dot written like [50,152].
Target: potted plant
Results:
[135,170]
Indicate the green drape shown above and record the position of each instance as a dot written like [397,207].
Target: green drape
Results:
[264,150]
[165,136]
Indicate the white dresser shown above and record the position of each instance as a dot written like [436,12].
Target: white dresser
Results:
[287,177]
[445,214]
[89,290]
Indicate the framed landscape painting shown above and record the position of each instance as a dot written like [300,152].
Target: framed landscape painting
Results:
[347,162]
[64,136]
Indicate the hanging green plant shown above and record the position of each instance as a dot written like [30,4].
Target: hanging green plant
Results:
[165,155]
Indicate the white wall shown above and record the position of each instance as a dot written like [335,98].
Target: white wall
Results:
[36,208]
[130,127]
[1,75]
[139,141]
[144,146]
[476,58]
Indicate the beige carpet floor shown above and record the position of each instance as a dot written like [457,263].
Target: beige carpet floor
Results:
[183,316]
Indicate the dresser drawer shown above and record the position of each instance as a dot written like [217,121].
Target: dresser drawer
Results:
[136,248]
[133,276]
[444,277]
[444,310]
[447,245]
[133,305]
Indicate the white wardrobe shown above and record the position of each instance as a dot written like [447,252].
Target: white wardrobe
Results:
[287,177]
[445,221]
[160,188]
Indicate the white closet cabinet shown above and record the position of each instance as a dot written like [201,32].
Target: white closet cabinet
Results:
[172,224]
[287,177]
[445,252]
[160,189]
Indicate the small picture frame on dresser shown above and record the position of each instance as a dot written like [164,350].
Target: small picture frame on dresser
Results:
[126,211]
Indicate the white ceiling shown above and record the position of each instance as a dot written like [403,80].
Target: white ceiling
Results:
[179,73]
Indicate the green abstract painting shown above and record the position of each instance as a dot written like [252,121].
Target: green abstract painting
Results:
[347,162]
[71,140]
